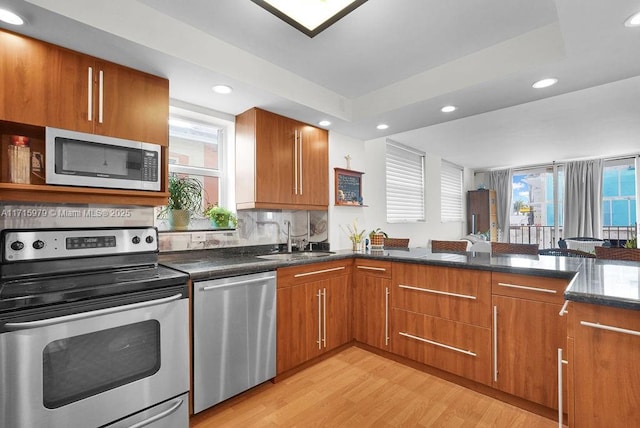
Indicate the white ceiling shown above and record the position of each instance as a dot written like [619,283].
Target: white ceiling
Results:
[391,61]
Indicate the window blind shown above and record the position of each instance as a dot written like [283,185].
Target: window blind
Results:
[405,183]
[451,186]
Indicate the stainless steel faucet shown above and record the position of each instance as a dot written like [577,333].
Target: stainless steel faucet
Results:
[289,246]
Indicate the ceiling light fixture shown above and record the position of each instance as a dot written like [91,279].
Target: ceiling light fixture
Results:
[222,89]
[382,126]
[448,109]
[10,17]
[324,123]
[545,83]
[633,20]
[310,16]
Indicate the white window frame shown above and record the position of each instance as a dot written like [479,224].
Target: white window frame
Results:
[451,192]
[405,183]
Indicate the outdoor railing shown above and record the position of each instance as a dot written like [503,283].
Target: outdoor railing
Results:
[545,237]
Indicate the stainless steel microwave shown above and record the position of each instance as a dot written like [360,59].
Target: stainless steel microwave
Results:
[88,160]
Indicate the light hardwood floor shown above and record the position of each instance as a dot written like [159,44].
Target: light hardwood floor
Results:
[356,388]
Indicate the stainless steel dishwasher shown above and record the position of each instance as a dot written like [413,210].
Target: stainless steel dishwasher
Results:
[234,336]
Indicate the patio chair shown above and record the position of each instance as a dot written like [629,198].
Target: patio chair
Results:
[630,254]
[449,246]
[565,252]
[508,248]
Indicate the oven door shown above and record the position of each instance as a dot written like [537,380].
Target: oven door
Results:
[91,368]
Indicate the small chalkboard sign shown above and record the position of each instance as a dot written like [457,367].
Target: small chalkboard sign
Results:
[348,187]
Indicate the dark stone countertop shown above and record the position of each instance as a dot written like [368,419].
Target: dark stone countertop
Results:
[592,281]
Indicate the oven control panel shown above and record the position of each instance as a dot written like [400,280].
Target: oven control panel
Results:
[42,244]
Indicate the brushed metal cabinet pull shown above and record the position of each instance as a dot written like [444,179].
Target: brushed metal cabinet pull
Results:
[442,345]
[524,287]
[445,293]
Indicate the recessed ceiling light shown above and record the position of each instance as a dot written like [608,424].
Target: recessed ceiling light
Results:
[545,83]
[324,123]
[310,16]
[222,89]
[382,126]
[633,20]
[10,17]
[448,109]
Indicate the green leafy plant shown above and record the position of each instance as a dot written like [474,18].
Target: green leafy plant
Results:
[185,193]
[354,234]
[631,242]
[221,216]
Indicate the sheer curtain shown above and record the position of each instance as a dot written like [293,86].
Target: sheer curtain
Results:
[500,181]
[583,198]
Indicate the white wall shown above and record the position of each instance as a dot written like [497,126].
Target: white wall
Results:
[369,157]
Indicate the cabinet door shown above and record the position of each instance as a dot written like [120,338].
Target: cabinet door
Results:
[275,155]
[134,105]
[312,165]
[370,310]
[297,326]
[336,313]
[606,377]
[42,84]
[527,337]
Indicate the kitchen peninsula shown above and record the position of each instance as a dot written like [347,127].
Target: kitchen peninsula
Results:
[453,312]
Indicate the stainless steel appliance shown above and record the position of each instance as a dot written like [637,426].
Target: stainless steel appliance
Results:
[234,336]
[88,160]
[93,332]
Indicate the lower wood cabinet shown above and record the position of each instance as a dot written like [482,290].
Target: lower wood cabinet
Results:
[527,332]
[441,316]
[370,308]
[603,366]
[312,311]
[456,347]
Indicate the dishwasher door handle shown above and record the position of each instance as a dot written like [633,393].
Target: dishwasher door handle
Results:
[230,284]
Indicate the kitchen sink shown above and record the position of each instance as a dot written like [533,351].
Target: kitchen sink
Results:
[302,255]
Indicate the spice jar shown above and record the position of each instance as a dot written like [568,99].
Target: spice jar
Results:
[19,160]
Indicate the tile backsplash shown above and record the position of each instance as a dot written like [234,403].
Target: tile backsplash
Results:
[255,227]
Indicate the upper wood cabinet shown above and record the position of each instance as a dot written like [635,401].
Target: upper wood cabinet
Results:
[280,163]
[46,85]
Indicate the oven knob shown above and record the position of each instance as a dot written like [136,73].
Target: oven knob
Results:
[149,239]
[17,245]
[38,245]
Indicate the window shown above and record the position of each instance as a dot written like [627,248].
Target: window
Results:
[451,186]
[196,149]
[619,193]
[533,210]
[405,183]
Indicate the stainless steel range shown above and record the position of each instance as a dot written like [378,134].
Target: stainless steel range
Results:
[93,332]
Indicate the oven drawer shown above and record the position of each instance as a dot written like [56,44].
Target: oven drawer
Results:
[173,413]
[92,368]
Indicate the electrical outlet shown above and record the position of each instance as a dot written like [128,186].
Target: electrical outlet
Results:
[198,237]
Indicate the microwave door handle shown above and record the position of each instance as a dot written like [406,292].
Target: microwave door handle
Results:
[13,326]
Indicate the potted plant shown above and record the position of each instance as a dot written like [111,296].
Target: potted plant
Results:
[377,237]
[220,217]
[185,198]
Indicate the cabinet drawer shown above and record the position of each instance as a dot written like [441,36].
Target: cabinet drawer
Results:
[462,295]
[459,348]
[377,268]
[538,288]
[294,275]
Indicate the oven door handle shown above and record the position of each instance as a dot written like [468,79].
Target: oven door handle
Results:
[159,416]
[13,326]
